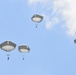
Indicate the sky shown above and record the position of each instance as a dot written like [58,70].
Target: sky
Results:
[52,47]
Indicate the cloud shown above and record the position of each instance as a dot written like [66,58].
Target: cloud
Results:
[45,5]
[48,25]
[68,11]
[55,10]
[35,2]
[50,22]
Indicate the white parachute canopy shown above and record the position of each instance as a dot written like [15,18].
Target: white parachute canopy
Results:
[37,18]
[23,49]
[8,46]
[75,41]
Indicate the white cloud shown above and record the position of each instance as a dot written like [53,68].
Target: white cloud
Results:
[48,25]
[67,8]
[31,2]
[47,6]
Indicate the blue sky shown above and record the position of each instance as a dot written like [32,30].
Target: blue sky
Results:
[53,51]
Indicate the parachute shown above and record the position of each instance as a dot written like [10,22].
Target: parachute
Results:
[75,41]
[37,18]
[8,46]
[23,49]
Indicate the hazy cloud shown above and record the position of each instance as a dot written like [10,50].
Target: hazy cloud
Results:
[59,9]
[35,2]
[67,9]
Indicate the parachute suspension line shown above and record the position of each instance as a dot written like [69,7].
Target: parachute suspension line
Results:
[36,25]
[23,57]
[8,56]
